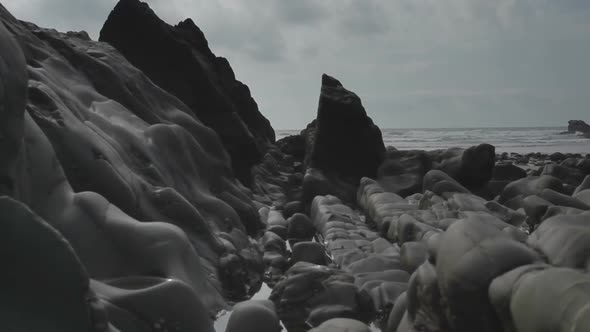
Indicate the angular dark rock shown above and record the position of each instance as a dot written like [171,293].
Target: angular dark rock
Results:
[347,143]
[293,145]
[578,126]
[472,167]
[179,60]
[508,172]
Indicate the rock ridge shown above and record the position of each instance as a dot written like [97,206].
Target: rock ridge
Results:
[179,60]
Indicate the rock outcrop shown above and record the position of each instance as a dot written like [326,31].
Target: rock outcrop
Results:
[403,171]
[346,142]
[342,144]
[179,60]
[141,190]
[578,126]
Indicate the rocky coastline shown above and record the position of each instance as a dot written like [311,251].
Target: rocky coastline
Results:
[136,195]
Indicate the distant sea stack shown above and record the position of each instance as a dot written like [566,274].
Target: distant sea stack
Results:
[179,60]
[575,126]
[346,142]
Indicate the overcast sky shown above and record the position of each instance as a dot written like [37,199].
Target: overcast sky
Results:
[414,63]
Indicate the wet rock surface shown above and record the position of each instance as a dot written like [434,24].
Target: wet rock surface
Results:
[460,231]
[149,230]
[308,288]
[140,189]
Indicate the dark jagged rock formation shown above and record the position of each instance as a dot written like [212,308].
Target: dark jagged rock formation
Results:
[346,143]
[178,59]
[574,126]
[342,144]
[142,190]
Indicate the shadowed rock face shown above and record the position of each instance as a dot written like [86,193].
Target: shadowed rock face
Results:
[140,188]
[178,59]
[346,143]
[37,287]
[578,125]
[13,80]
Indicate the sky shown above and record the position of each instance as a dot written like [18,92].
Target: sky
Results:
[414,63]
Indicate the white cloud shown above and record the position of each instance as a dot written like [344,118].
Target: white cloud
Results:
[472,59]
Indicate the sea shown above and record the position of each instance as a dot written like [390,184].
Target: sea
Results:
[518,139]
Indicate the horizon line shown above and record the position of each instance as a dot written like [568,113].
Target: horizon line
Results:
[467,127]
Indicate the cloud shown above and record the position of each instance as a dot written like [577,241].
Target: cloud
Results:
[262,41]
[235,27]
[301,12]
[365,18]
[63,15]
[464,61]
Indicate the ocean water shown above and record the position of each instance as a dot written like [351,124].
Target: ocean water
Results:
[520,140]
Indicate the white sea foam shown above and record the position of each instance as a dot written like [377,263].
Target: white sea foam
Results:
[521,140]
